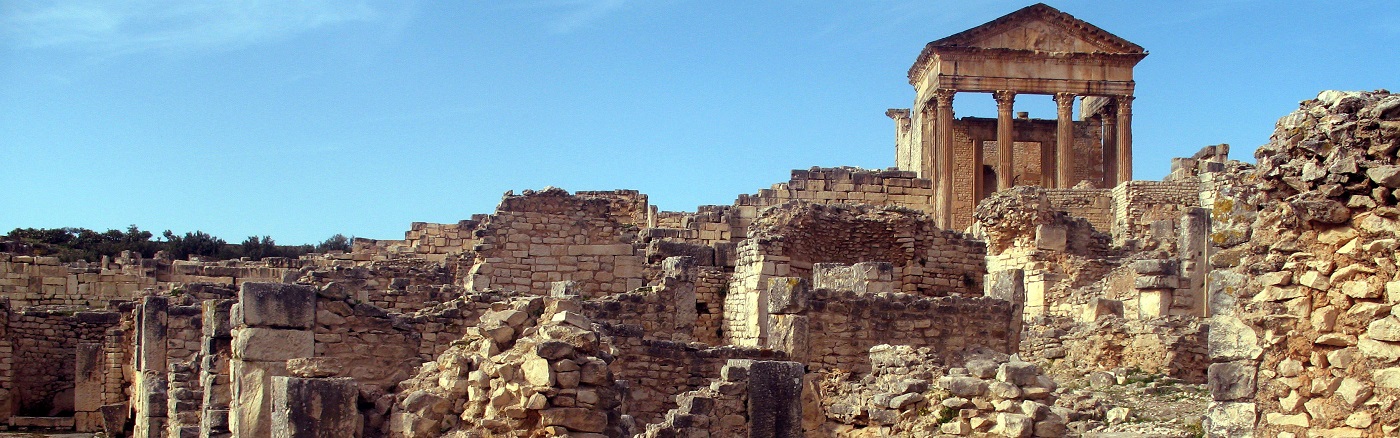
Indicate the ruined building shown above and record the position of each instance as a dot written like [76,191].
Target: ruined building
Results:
[1252,300]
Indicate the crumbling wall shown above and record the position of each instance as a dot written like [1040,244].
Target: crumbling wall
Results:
[1138,204]
[1093,205]
[1303,339]
[788,240]
[43,281]
[44,345]
[539,238]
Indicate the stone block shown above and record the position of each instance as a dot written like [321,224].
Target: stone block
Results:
[1156,282]
[575,419]
[1155,267]
[320,408]
[268,344]
[216,316]
[250,412]
[277,305]
[1101,307]
[1231,381]
[1051,237]
[1230,420]
[1154,303]
[775,399]
[788,294]
[87,379]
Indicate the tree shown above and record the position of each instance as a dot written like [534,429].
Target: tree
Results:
[338,242]
[196,243]
[256,248]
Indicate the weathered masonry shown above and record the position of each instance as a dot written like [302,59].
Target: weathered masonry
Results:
[1035,50]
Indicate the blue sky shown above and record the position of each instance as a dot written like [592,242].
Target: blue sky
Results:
[301,119]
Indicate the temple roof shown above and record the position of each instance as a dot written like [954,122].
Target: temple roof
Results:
[1035,28]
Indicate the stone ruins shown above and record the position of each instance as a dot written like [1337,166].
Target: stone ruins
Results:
[1051,296]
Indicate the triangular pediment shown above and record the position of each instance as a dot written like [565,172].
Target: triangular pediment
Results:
[1041,28]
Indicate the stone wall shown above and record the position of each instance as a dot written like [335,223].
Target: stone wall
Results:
[43,346]
[1138,204]
[539,238]
[1303,337]
[1093,205]
[43,281]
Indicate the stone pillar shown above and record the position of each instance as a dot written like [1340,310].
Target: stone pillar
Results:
[151,377]
[1124,138]
[7,354]
[1193,248]
[902,152]
[1064,140]
[1110,148]
[1006,150]
[944,142]
[88,384]
[775,399]
[272,324]
[215,352]
[315,408]
[678,281]
[787,301]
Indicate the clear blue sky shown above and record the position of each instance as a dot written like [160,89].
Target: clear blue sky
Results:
[301,119]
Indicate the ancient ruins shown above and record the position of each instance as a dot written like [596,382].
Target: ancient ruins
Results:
[1007,278]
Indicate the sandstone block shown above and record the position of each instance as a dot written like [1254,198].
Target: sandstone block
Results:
[538,372]
[787,294]
[250,411]
[575,419]
[1230,420]
[1231,380]
[277,305]
[267,344]
[322,408]
[1014,425]
[963,386]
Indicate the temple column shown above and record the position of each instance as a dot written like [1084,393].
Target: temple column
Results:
[1125,138]
[1064,140]
[1005,143]
[1110,148]
[943,138]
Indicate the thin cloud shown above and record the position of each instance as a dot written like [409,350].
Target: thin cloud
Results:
[115,27]
[584,12]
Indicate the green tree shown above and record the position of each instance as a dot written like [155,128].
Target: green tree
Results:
[338,242]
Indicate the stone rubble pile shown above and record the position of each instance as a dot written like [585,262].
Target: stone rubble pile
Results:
[1307,339]
[532,365]
[1005,397]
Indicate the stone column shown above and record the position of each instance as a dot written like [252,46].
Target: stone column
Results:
[87,387]
[944,142]
[1005,142]
[1125,138]
[151,377]
[1064,140]
[1110,148]
[902,158]
[775,399]
[215,352]
[272,324]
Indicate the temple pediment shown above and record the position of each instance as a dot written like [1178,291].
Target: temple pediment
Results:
[1039,28]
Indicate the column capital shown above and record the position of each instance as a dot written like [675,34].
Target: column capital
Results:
[1065,99]
[1124,103]
[1004,97]
[897,113]
[944,96]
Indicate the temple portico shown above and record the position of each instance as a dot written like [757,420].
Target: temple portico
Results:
[1037,50]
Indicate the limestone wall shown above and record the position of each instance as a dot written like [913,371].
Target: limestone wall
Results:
[540,238]
[1093,205]
[43,344]
[660,370]
[843,325]
[1137,204]
[43,281]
